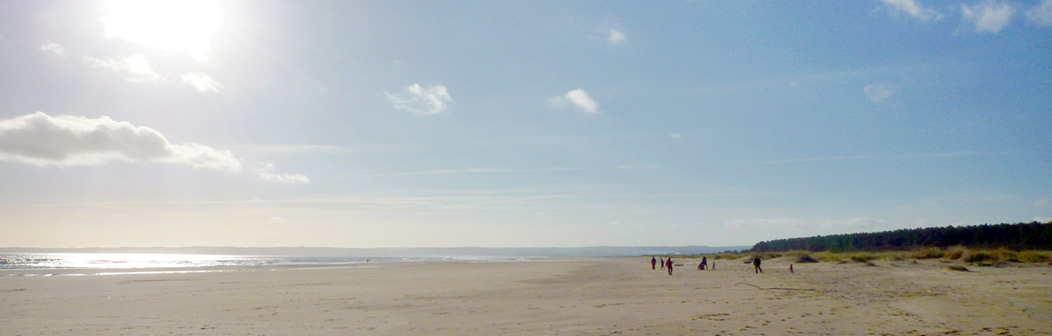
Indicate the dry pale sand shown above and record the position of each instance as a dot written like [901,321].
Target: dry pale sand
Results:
[566,297]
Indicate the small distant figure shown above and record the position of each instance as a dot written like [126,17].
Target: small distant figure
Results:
[669,264]
[790,268]
[704,263]
[662,262]
[756,264]
[653,263]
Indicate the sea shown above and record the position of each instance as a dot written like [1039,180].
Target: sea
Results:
[87,264]
[110,261]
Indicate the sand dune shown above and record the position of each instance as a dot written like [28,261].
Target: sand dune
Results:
[616,296]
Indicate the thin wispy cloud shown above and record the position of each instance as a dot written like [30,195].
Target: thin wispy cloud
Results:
[54,48]
[801,223]
[137,69]
[201,82]
[505,170]
[417,99]
[44,140]
[877,92]
[1041,14]
[134,68]
[299,149]
[913,9]
[879,157]
[266,171]
[465,171]
[615,37]
[988,16]
[578,99]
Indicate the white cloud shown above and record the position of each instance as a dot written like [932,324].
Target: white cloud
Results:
[616,37]
[137,69]
[989,15]
[676,136]
[201,156]
[913,9]
[266,172]
[53,48]
[1041,203]
[579,99]
[877,92]
[74,140]
[1041,14]
[201,82]
[134,68]
[421,100]
[44,140]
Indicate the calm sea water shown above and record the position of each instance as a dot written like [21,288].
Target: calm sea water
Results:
[40,264]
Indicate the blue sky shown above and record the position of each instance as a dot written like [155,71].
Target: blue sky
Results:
[511,123]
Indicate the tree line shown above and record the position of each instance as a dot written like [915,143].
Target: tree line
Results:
[1033,235]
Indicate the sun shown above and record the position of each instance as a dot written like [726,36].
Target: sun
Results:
[178,26]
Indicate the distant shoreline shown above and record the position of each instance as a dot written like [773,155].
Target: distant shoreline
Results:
[595,251]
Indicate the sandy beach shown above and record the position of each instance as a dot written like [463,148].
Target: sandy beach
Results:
[608,296]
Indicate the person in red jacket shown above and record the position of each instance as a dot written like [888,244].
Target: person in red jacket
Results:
[669,264]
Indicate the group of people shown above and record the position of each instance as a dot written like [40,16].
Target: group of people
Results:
[667,264]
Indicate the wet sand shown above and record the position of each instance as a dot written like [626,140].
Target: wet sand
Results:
[616,296]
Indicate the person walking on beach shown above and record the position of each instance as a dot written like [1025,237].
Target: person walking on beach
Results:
[662,262]
[653,263]
[704,263]
[756,264]
[669,264]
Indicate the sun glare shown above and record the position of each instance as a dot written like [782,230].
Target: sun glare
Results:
[180,26]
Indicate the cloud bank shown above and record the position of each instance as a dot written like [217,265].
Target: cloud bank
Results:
[44,140]
[417,99]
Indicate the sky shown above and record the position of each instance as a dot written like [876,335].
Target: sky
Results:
[517,123]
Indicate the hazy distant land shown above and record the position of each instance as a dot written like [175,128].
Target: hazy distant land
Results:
[595,251]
